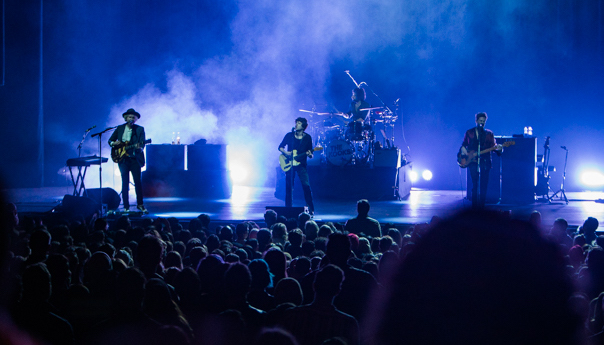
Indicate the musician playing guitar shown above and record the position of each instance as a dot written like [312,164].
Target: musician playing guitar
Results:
[479,139]
[300,142]
[133,136]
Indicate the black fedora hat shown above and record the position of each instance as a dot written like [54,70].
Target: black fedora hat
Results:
[131,111]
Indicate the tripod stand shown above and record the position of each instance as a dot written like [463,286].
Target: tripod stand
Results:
[561,191]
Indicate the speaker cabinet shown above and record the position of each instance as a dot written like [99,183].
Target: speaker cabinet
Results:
[518,175]
[165,157]
[206,156]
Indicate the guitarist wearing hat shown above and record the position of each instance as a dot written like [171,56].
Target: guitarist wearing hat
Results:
[129,139]
[479,139]
[299,148]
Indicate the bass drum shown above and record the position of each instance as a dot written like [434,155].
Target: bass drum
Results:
[339,152]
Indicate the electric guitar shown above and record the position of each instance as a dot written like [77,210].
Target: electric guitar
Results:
[465,160]
[119,152]
[286,162]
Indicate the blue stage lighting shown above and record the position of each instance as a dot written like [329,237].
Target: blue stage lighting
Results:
[413,176]
[239,172]
[592,178]
[427,175]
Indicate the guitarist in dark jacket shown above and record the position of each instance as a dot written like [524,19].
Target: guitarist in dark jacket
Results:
[475,137]
[301,142]
[133,159]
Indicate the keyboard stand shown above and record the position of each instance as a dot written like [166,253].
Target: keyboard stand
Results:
[82,163]
[78,182]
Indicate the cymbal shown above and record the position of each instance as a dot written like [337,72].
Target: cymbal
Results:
[308,111]
[339,114]
[371,108]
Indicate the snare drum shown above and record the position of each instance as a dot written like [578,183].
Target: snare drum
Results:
[339,152]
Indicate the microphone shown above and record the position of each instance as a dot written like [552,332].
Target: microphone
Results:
[563,147]
[293,129]
[346,71]
[396,102]
[91,128]
[130,122]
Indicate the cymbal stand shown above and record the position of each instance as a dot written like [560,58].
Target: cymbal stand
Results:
[561,191]
[387,109]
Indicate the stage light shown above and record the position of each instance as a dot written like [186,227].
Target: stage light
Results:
[592,178]
[427,175]
[238,171]
[413,176]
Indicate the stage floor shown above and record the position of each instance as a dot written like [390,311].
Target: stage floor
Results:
[249,203]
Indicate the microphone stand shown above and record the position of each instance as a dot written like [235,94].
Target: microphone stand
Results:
[561,191]
[289,202]
[478,199]
[354,81]
[100,134]
[82,142]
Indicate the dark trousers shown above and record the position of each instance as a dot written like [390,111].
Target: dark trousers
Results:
[303,176]
[484,183]
[130,166]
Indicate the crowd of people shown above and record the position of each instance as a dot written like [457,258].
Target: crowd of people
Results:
[477,277]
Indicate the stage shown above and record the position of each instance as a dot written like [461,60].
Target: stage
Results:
[249,203]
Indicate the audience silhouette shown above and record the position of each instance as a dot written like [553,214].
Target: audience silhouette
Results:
[475,277]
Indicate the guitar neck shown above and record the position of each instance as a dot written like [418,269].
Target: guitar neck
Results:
[488,150]
[148,141]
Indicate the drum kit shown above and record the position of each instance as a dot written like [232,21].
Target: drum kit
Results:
[348,142]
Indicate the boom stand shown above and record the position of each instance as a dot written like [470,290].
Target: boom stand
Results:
[561,191]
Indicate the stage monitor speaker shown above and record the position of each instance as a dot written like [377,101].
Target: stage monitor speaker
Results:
[79,206]
[165,157]
[110,197]
[287,212]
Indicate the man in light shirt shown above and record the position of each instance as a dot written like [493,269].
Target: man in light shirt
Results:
[130,139]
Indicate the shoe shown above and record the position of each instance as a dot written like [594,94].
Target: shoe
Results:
[127,210]
[142,209]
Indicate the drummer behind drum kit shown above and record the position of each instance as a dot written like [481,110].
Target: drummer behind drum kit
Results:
[352,143]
